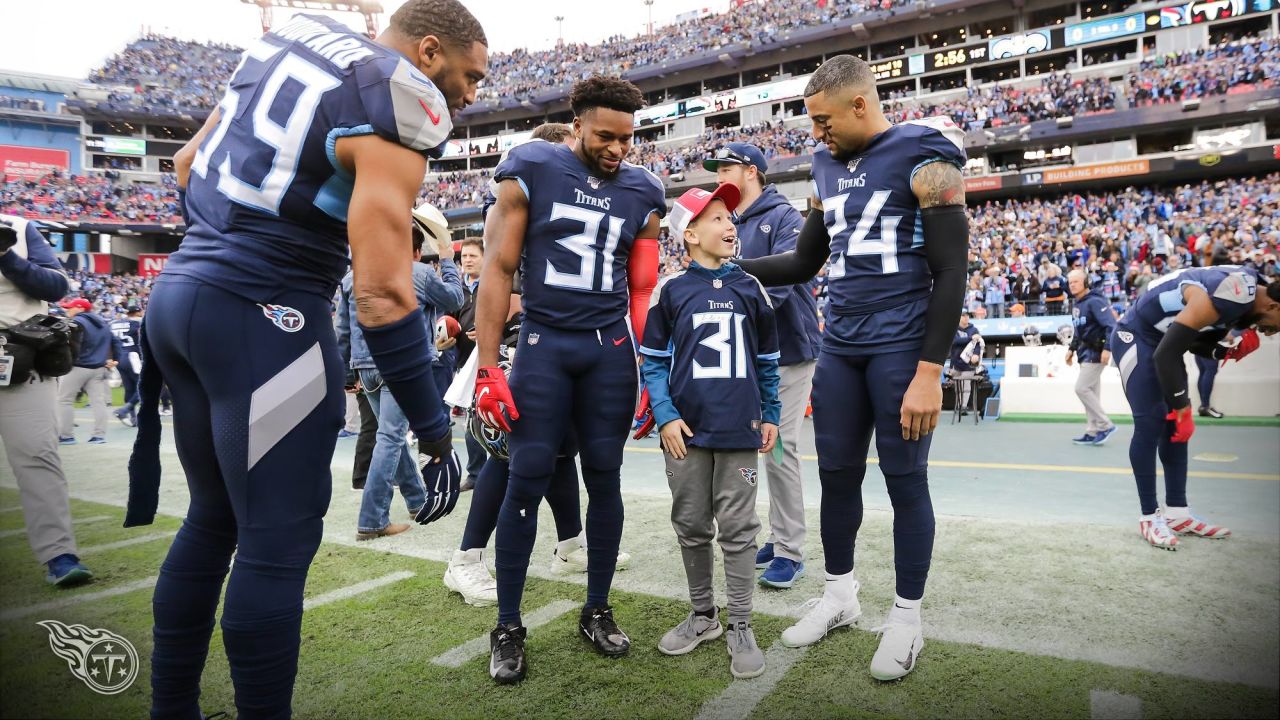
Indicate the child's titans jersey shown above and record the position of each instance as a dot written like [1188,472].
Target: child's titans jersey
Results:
[878,280]
[580,232]
[714,330]
[267,196]
[1231,289]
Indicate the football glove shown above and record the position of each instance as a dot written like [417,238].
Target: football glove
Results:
[493,402]
[1183,424]
[1248,343]
[441,475]
[644,421]
[8,236]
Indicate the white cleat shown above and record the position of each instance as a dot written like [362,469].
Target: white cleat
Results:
[570,557]
[1155,530]
[468,576]
[900,646]
[824,615]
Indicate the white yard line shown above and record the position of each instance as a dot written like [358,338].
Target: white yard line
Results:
[740,698]
[68,601]
[478,646]
[81,521]
[1107,705]
[353,590]
[141,539]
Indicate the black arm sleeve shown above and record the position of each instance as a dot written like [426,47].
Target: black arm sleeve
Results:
[946,248]
[813,247]
[1178,339]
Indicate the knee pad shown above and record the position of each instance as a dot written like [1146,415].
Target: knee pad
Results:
[533,459]
[908,490]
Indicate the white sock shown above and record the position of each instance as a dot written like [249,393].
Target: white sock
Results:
[904,610]
[842,587]
[1177,512]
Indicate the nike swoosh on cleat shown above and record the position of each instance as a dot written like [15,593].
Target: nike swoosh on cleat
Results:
[835,620]
[435,119]
[906,664]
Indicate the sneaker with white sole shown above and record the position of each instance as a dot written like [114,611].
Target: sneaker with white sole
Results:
[570,557]
[695,630]
[745,658]
[1155,530]
[900,646]
[1184,522]
[468,576]
[822,615]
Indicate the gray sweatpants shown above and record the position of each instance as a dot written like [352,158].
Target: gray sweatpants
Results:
[94,382]
[786,486]
[1089,390]
[27,429]
[711,488]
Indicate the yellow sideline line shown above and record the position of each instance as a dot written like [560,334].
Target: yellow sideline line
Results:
[1088,469]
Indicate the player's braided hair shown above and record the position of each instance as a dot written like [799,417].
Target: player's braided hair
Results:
[605,91]
[840,72]
[448,20]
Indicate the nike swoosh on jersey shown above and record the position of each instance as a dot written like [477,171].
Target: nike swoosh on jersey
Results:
[435,119]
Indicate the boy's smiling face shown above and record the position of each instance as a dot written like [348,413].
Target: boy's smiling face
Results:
[713,233]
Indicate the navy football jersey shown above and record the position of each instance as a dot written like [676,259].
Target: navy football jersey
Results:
[580,232]
[878,281]
[267,196]
[1231,289]
[713,330]
[126,331]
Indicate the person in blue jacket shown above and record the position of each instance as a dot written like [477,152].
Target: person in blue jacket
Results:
[768,224]
[99,352]
[1091,345]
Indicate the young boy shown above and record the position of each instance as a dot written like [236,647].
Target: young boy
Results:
[711,367]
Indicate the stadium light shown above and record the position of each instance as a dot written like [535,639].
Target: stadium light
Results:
[370,9]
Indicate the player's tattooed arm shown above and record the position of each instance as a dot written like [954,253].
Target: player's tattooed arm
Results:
[504,230]
[937,184]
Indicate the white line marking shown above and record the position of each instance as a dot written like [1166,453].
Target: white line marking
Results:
[70,600]
[478,646]
[141,539]
[740,698]
[1107,705]
[81,521]
[352,590]
[14,508]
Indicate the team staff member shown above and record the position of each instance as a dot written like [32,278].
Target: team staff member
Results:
[768,224]
[99,352]
[1091,345]
[31,278]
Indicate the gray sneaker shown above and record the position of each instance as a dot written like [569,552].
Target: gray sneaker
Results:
[745,659]
[689,634]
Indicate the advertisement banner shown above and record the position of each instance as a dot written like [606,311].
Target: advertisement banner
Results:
[1203,11]
[28,163]
[150,265]
[982,184]
[99,263]
[1100,171]
[1012,46]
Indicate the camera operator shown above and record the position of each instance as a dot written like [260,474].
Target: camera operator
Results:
[36,349]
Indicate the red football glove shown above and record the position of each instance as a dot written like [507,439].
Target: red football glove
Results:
[1183,424]
[1248,343]
[644,421]
[493,399]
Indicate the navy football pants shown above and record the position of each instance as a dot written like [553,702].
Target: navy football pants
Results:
[584,379]
[491,490]
[256,416]
[1151,431]
[853,396]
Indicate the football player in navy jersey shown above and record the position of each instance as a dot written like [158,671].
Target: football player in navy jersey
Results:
[582,225]
[320,143]
[126,330]
[1194,310]
[889,214]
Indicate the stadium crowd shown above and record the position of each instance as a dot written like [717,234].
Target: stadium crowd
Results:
[1174,77]
[104,198]
[167,74]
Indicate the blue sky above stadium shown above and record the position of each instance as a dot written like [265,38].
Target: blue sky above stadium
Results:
[89,31]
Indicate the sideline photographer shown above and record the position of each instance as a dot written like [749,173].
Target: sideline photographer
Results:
[36,350]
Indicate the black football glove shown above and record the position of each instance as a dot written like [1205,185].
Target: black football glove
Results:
[441,475]
[8,236]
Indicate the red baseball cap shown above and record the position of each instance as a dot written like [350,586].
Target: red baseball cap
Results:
[689,205]
[80,303]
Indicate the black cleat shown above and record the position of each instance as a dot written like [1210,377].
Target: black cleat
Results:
[1210,412]
[506,654]
[598,626]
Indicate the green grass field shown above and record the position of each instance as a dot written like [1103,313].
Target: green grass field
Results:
[371,655]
